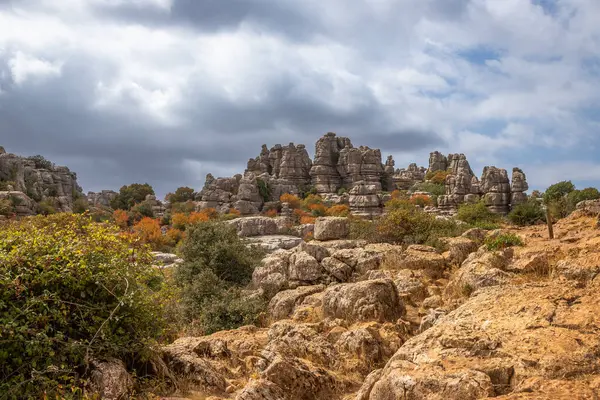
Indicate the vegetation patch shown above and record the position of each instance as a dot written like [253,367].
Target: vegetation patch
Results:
[503,241]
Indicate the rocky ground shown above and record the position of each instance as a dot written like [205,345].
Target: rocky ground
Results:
[354,321]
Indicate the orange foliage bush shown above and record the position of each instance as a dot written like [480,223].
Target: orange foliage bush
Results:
[173,237]
[179,220]
[421,200]
[293,200]
[318,210]
[341,210]
[309,236]
[198,217]
[233,211]
[307,220]
[310,200]
[439,177]
[397,194]
[148,231]
[272,213]
[121,218]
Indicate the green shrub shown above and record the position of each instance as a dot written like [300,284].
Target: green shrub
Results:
[143,209]
[528,213]
[578,196]
[41,162]
[6,207]
[181,195]
[558,191]
[503,241]
[477,214]
[362,229]
[131,195]
[342,191]
[217,263]
[5,184]
[430,187]
[264,189]
[80,206]
[185,208]
[47,207]
[71,290]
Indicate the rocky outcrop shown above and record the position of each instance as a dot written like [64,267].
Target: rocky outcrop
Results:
[22,205]
[40,180]
[437,162]
[331,228]
[404,179]
[496,186]
[518,187]
[110,380]
[101,199]
[365,200]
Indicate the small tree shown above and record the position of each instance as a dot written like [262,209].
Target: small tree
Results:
[181,195]
[131,195]
[528,213]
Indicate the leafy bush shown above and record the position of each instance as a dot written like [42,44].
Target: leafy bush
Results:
[478,215]
[342,191]
[143,209]
[47,207]
[503,241]
[5,184]
[71,290]
[182,194]
[216,264]
[310,200]
[293,200]
[131,195]
[263,189]
[528,213]
[400,194]
[272,213]
[41,162]
[340,210]
[80,206]
[318,210]
[437,177]
[362,229]
[6,207]
[578,196]
[558,191]
[421,200]
[409,225]
[186,208]
[121,218]
[434,188]
[148,231]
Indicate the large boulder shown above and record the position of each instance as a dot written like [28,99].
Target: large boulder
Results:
[284,303]
[331,228]
[304,267]
[110,380]
[375,300]
[255,226]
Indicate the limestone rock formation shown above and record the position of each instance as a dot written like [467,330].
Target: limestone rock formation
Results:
[437,162]
[496,186]
[22,204]
[40,180]
[101,199]
[324,172]
[518,187]
[404,179]
[330,228]
[364,200]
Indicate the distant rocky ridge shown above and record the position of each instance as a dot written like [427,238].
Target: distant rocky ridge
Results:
[356,176]
[33,180]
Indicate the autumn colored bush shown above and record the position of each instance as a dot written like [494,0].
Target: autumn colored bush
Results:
[233,211]
[272,213]
[179,220]
[438,177]
[307,219]
[341,210]
[173,237]
[310,200]
[293,200]
[148,231]
[398,194]
[318,210]
[421,200]
[196,217]
[121,218]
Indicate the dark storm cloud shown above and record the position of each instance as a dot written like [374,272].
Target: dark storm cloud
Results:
[57,118]
[287,18]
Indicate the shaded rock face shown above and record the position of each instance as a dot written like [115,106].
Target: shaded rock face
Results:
[404,179]
[364,200]
[22,204]
[290,164]
[437,162]
[496,186]
[101,199]
[40,180]
[324,172]
[518,187]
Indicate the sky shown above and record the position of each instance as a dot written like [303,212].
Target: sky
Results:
[166,91]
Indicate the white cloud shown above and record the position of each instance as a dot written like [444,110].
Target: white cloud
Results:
[25,67]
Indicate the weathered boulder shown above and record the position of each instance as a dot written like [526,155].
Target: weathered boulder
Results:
[437,162]
[496,186]
[336,268]
[101,199]
[304,267]
[110,380]
[255,226]
[331,228]
[375,300]
[418,257]
[283,304]
[518,187]
[364,200]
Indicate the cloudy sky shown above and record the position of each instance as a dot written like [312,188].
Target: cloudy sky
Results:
[165,91]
